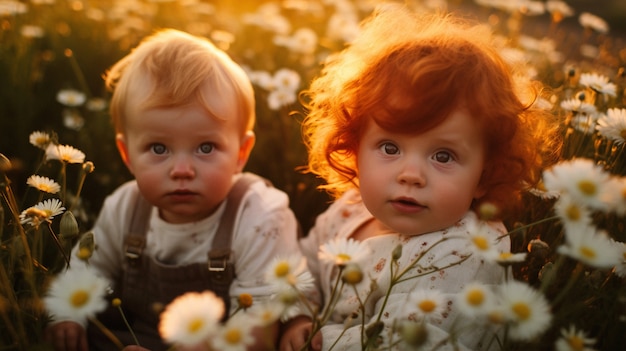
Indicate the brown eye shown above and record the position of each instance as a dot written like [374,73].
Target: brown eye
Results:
[442,157]
[389,149]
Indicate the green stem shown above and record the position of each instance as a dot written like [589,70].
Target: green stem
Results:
[130,329]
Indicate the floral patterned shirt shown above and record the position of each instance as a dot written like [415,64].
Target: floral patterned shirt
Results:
[345,216]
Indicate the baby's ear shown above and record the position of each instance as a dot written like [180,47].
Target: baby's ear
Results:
[480,191]
[246,145]
[122,147]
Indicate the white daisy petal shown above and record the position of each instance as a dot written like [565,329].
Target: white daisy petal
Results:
[191,318]
[76,294]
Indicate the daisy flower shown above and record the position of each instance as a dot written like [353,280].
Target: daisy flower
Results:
[481,242]
[191,318]
[581,179]
[40,139]
[475,299]
[280,97]
[76,294]
[341,251]
[613,125]
[426,304]
[268,312]
[235,335]
[571,212]
[597,83]
[286,79]
[507,258]
[289,271]
[588,20]
[591,247]
[302,41]
[42,212]
[96,104]
[65,153]
[573,340]
[526,310]
[71,97]
[584,123]
[559,9]
[43,184]
[576,105]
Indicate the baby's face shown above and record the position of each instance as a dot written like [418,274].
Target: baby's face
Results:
[416,184]
[183,159]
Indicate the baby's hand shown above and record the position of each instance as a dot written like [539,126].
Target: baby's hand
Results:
[295,334]
[67,336]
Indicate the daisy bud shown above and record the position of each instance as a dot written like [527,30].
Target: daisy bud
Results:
[538,248]
[68,226]
[352,274]
[397,252]
[116,302]
[245,300]
[414,334]
[288,296]
[487,211]
[88,167]
[86,246]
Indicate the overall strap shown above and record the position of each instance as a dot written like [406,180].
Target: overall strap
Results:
[220,252]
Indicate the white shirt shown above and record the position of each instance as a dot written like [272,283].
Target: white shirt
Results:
[265,228]
[345,216]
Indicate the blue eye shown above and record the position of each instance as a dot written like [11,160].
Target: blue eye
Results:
[389,149]
[158,149]
[206,148]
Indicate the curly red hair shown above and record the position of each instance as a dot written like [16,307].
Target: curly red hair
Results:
[435,64]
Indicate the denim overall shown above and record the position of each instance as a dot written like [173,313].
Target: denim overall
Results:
[148,286]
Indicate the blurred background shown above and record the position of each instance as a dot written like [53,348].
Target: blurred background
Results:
[48,46]
[53,54]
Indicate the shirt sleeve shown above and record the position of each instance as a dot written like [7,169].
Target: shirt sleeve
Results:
[265,229]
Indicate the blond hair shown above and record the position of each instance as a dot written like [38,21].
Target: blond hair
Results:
[172,68]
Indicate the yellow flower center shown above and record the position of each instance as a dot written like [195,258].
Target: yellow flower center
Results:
[35,212]
[352,276]
[282,269]
[522,311]
[83,253]
[195,325]
[245,300]
[505,255]
[427,306]
[587,187]
[79,298]
[475,297]
[576,343]
[481,242]
[343,257]
[587,252]
[233,336]
[573,212]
